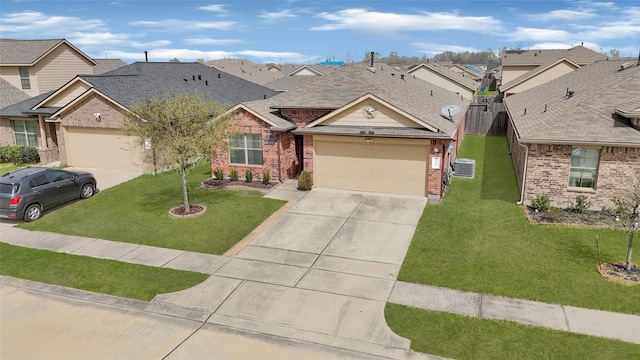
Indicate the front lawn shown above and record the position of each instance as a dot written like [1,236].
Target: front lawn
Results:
[138,212]
[461,337]
[98,275]
[478,239]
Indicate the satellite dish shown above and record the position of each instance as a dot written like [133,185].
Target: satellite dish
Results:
[449,111]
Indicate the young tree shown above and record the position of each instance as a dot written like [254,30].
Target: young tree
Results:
[628,208]
[181,129]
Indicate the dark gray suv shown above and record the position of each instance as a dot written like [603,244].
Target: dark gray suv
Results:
[25,193]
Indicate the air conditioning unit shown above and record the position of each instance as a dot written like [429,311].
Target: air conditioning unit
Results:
[465,168]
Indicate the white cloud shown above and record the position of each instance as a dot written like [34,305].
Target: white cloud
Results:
[40,25]
[562,15]
[274,16]
[537,34]
[172,25]
[189,55]
[214,8]
[371,21]
[210,41]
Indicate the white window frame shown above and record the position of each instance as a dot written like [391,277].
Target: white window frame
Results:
[25,81]
[245,149]
[25,132]
[583,173]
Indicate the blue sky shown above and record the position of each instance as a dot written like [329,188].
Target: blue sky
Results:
[297,31]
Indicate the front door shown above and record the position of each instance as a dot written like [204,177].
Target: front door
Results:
[299,140]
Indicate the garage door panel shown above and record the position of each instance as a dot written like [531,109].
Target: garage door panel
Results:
[382,166]
[102,148]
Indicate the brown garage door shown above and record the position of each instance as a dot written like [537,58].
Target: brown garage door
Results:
[397,166]
[102,148]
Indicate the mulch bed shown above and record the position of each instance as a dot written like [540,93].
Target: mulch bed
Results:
[617,272]
[559,216]
[219,184]
[181,212]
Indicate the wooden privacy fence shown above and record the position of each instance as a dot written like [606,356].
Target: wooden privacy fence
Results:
[486,117]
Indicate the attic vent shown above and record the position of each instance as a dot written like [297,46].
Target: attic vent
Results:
[626,65]
[465,168]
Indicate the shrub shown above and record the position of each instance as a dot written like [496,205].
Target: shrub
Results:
[233,174]
[248,176]
[541,203]
[581,205]
[266,177]
[19,154]
[218,173]
[304,181]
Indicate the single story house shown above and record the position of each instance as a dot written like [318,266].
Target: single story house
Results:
[524,69]
[578,134]
[446,78]
[357,128]
[78,124]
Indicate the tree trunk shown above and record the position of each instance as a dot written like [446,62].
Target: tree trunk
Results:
[185,192]
[629,250]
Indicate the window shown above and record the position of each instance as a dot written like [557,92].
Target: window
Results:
[26,132]
[246,149]
[24,78]
[584,167]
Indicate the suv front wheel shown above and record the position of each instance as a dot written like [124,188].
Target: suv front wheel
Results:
[33,212]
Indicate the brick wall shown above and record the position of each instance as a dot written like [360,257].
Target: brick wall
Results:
[548,173]
[6,133]
[82,114]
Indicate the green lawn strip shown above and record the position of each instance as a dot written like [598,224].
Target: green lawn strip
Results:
[138,212]
[97,275]
[478,239]
[461,337]
[8,167]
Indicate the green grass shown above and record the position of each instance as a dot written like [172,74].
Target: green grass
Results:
[478,239]
[138,212]
[8,167]
[461,337]
[98,275]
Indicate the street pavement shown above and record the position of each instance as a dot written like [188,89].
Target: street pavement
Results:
[319,271]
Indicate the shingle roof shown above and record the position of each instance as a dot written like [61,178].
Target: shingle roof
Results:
[245,69]
[22,108]
[288,82]
[449,74]
[106,65]
[416,97]
[133,82]
[545,114]
[28,52]
[579,55]
[10,94]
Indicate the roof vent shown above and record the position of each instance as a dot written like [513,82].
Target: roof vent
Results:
[626,65]
[372,69]
[465,168]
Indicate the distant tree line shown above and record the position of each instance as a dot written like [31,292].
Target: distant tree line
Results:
[488,57]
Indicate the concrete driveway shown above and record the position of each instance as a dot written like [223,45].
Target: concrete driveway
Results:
[321,273]
[107,178]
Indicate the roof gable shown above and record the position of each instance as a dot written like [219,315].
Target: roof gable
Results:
[29,52]
[579,107]
[447,74]
[540,71]
[385,115]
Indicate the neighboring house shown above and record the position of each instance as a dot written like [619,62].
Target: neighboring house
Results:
[578,134]
[466,72]
[355,129]
[297,75]
[38,66]
[106,65]
[245,69]
[539,66]
[445,78]
[79,123]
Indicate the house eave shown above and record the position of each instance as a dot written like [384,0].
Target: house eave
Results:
[579,143]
